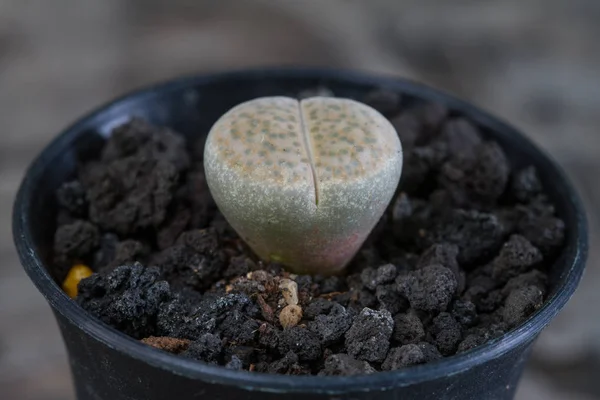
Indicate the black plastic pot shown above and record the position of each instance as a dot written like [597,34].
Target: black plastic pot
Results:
[108,365]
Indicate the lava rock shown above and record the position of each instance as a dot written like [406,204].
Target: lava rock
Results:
[332,284]
[71,196]
[429,289]
[268,336]
[430,352]
[444,254]
[483,292]
[542,229]
[371,278]
[421,164]
[76,240]
[194,261]
[345,365]
[127,252]
[301,341]
[531,278]
[283,365]
[470,342]
[128,298]
[246,354]
[130,194]
[332,327]
[364,299]
[478,235]
[106,251]
[207,348]
[318,306]
[173,227]
[369,337]
[390,299]
[465,313]
[516,257]
[137,136]
[408,329]
[481,174]
[223,314]
[239,266]
[460,136]
[431,116]
[521,303]
[238,330]
[526,184]
[446,332]
[132,186]
[171,321]
[404,356]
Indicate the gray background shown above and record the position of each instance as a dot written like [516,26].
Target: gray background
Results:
[535,63]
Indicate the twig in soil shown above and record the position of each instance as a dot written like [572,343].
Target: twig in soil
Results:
[265,309]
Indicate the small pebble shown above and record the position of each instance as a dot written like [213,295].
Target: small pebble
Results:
[289,289]
[75,275]
[290,316]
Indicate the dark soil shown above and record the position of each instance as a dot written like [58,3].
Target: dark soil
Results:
[459,258]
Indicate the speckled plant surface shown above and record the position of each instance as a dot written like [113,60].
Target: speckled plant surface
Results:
[303,182]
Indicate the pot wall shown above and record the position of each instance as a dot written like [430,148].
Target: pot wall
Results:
[103,373]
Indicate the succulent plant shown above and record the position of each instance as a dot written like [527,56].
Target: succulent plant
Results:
[303,182]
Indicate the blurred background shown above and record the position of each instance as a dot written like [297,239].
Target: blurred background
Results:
[535,63]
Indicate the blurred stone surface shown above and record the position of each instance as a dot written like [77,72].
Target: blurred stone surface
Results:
[533,62]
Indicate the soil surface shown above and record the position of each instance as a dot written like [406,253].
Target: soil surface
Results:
[458,259]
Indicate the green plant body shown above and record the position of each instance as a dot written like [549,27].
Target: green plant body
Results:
[303,182]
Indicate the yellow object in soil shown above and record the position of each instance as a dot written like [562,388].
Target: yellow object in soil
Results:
[75,275]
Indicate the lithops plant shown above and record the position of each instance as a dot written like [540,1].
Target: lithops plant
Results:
[303,182]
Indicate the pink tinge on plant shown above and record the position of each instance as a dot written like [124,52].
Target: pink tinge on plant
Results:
[334,255]
[303,182]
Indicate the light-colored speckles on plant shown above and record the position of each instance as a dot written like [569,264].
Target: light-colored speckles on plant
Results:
[303,183]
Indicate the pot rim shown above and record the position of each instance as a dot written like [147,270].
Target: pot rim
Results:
[573,257]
